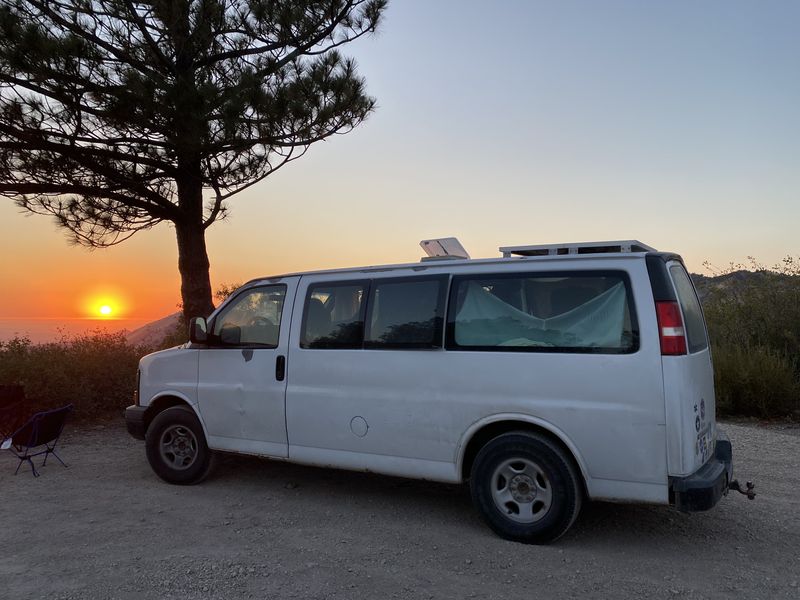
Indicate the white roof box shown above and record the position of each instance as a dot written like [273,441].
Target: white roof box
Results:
[443,248]
[616,246]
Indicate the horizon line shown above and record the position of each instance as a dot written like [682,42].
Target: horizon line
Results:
[79,318]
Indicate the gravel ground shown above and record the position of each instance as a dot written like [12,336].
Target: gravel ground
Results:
[108,528]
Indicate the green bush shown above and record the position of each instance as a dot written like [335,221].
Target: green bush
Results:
[95,371]
[755,381]
[753,321]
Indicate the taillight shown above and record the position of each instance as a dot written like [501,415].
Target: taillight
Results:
[670,328]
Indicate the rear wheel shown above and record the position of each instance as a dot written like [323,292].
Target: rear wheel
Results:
[526,488]
[176,447]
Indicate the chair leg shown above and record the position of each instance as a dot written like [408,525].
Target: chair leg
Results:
[58,458]
[52,450]
[30,462]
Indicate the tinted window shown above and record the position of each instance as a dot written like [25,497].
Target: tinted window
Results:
[252,317]
[690,306]
[557,312]
[406,313]
[334,315]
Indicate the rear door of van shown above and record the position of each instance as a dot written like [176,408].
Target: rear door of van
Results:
[688,383]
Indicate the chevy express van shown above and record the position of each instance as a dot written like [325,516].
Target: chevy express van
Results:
[549,376]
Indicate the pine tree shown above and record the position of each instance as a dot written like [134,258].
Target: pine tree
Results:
[118,115]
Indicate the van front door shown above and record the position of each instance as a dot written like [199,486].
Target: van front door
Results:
[242,373]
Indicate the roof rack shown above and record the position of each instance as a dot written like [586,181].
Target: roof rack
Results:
[577,248]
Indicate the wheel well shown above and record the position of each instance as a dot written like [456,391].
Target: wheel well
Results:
[487,433]
[160,405]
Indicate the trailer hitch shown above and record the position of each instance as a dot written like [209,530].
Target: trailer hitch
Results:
[749,491]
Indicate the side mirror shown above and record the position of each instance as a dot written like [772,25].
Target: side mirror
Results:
[197,331]
[230,334]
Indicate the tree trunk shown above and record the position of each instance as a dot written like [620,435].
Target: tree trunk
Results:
[189,124]
[193,266]
[192,255]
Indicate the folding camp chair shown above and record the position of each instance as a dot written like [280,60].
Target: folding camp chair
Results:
[12,409]
[42,429]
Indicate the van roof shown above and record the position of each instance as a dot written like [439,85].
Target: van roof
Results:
[511,254]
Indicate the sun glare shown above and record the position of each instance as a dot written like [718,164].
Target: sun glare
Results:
[104,304]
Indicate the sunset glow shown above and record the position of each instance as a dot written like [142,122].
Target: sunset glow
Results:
[105,302]
[601,123]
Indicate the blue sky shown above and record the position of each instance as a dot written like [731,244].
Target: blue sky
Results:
[548,121]
[509,122]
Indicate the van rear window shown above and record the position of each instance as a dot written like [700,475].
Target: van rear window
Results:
[543,312]
[696,339]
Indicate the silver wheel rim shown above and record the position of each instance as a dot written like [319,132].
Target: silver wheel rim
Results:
[178,447]
[521,491]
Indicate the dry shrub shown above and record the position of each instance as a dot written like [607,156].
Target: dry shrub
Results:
[755,381]
[753,320]
[95,371]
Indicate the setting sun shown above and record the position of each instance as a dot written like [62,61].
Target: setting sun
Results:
[104,302]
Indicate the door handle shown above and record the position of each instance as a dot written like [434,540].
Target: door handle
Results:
[280,367]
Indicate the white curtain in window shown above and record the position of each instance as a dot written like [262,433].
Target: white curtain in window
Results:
[486,320]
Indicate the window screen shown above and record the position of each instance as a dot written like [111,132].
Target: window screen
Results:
[334,315]
[252,318]
[406,313]
[556,312]
[690,306]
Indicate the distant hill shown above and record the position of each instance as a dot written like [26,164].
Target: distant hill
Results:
[736,279]
[153,334]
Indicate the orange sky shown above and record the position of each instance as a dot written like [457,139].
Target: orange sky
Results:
[46,277]
[318,214]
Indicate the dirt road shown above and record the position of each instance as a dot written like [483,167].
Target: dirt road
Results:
[108,528]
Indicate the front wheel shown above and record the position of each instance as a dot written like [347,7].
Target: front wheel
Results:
[176,447]
[526,488]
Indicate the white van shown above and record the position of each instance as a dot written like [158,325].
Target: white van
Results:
[548,376]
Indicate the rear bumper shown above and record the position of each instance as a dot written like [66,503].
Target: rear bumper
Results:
[134,420]
[703,489]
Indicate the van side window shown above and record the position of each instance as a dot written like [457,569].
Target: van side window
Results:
[407,313]
[690,306]
[333,316]
[543,312]
[253,318]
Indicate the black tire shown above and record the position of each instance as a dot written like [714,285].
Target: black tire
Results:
[526,488]
[176,447]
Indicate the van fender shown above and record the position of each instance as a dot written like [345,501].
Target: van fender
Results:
[496,418]
[185,399]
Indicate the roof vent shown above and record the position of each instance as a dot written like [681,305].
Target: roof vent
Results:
[619,246]
[443,249]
